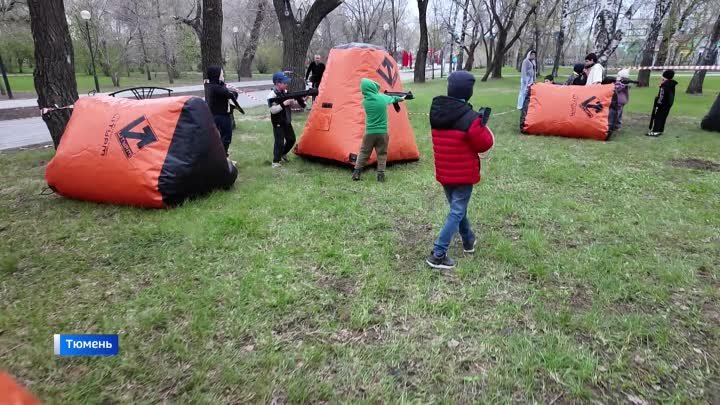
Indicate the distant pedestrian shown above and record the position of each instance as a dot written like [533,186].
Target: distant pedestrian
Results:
[527,77]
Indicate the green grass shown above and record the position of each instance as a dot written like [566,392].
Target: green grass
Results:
[86,83]
[597,277]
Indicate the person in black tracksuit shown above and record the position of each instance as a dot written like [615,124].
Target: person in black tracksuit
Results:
[281,119]
[218,97]
[663,103]
[315,72]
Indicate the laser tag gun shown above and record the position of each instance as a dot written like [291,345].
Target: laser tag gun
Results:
[484,114]
[407,96]
[294,95]
[654,111]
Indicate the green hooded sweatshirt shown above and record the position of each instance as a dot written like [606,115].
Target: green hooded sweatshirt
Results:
[375,105]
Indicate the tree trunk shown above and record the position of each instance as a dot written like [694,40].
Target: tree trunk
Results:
[54,63]
[146,59]
[463,28]
[211,40]
[245,69]
[708,58]
[561,36]
[298,34]
[471,56]
[648,54]
[495,69]
[421,57]
[667,34]
[394,29]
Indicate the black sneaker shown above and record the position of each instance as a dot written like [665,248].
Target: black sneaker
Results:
[443,262]
[470,246]
[381,177]
[356,175]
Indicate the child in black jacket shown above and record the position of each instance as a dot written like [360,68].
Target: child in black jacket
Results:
[663,102]
[218,97]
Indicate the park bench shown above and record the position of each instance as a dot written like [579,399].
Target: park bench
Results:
[143,92]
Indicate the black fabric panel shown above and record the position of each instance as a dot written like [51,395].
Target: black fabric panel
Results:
[711,122]
[195,163]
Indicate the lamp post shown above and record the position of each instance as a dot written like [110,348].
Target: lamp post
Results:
[85,15]
[237,51]
[386,28]
[5,79]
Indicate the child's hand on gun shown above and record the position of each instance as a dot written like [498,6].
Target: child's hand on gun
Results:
[288,102]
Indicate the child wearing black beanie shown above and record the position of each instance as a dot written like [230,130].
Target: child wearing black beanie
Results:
[663,103]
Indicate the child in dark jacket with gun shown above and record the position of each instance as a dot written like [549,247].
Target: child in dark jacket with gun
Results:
[376,128]
[281,117]
[663,103]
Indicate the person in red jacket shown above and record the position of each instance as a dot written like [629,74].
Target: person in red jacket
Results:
[459,137]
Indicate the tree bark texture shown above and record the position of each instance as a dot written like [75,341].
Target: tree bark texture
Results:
[54,63]
[421,57]
[211,40]
[648,54]
[245,69]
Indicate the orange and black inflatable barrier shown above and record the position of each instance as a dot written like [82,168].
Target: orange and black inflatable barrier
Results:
[12,393]
[148,153]
[711,122]
[570,111]
[336,124]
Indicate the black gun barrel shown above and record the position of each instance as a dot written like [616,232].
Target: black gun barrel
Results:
[294,95]
[408,95]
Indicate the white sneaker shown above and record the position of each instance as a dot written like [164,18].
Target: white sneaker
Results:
[276,165]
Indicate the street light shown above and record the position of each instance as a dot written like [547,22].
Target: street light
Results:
[85,15]
[386,27]
[237,51]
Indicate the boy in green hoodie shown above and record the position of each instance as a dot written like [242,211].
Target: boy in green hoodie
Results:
[376,128]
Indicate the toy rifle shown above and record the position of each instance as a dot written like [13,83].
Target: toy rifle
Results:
[654,111]
[407,96]
[295,95]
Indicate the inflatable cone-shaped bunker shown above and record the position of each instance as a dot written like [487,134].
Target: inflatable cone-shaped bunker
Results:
[148,153]
[11,393]
[570,111]
[336,125]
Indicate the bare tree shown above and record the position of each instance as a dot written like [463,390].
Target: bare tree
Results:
[207,23]
[709,56]
[608,34]
[661,8]
[298,34]
[364,17]
[504,13]
[673,25]
[421,57]
[55,63]
[249,54]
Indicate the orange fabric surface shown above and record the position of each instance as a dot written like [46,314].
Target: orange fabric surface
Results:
[570,111]
[100,158]
[336,132]
[11,393]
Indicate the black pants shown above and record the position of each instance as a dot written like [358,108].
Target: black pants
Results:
[284,140]
[224,123]
[661,115]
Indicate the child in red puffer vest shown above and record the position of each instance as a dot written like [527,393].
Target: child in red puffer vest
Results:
[459,138]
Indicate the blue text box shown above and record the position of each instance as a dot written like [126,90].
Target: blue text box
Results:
[86,345]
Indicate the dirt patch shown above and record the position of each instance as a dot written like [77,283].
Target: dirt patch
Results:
[342,286]
[695,164]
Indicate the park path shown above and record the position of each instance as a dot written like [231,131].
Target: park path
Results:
[18,133]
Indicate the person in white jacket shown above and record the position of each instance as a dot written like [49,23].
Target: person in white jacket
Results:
[594,70]
[527,77]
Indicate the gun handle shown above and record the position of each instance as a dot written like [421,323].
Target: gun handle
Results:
[396,106]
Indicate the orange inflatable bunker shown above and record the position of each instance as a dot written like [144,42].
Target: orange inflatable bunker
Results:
[149,153]
[12,393]
[336,125]
[570,111]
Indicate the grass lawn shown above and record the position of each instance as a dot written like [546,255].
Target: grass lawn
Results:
[24,83]
[596,280]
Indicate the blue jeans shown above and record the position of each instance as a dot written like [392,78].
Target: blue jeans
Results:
[458,197]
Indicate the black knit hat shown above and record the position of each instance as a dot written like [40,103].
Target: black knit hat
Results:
[669,74]
[460,85]
[213,73]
